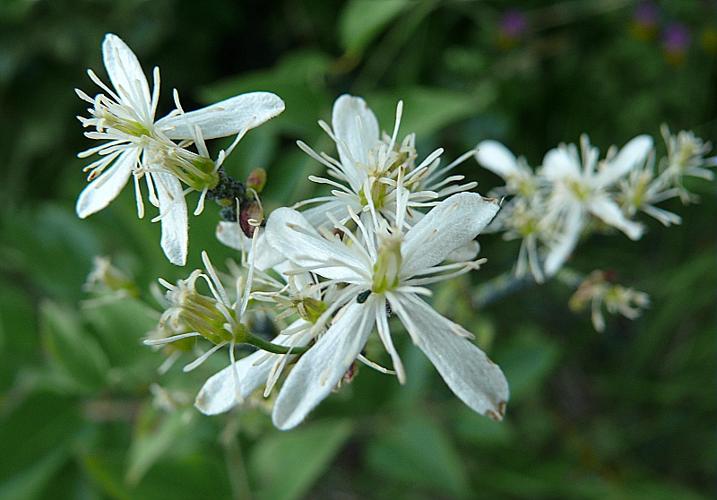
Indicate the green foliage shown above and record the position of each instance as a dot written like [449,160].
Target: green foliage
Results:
[84,412]
[286,465]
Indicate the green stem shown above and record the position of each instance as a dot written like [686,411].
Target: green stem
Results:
[271,347]
[507,284]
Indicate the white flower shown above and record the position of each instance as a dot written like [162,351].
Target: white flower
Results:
[686,158]
[580,187]
[383,267]
[518,176]
[135,145]
[597,290]
[642,191]
[216,316]
[231,235]
[522,216]
[365,176]
[230,386]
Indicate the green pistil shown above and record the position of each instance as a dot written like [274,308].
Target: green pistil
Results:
[311,309]
[129,127]
[199,173]
[378,195]
[579,190]
[387,267]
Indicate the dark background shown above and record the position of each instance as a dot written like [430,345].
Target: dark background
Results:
[629,413]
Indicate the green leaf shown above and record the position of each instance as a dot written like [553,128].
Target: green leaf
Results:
[121,325]
[526,361]
[287,464]
[476,429]
[427,110]
[298,78]
[74,353]
[36,437]
[362,21]
[30,482]
[152,441]
[419,452]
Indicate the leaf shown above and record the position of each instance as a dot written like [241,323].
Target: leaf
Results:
[526,361]
[287,464]
[150,444]
[36,438]
[418,452]
[476,429]
[17,316]
[73,352]
[362,21]
[298,79]
[121,325]
[426,110]
[30,482]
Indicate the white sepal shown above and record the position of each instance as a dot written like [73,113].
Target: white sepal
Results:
[356,129]
[474,378]
[105,188]
[450,225]
[497,158]
[225,118]
[173,217]
[126,74]
[322,367]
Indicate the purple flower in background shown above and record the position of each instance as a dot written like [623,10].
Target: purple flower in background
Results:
[512,27]
[647,14]
[645,20]
[676,40]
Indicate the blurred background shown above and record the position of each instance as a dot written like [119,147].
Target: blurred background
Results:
[629,413]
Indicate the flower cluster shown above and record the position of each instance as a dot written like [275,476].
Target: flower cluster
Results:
[315,283]
[576,192]
[337,272]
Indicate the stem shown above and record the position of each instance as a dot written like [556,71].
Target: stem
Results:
[499,287]
[271,347]
[507,284]
[234,459]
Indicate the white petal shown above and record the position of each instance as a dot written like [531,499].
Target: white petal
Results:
[219,394]
[173,212]
[566,240]
[464,253]
[356,129]
[225,118]
[291,235]
[321,215]
[126,74]
[558,163]
[497,158]
[633,153]
[231,235]
[609,212]
[321,368]
[568,237]
[474,378]
[453,223]
[105,188]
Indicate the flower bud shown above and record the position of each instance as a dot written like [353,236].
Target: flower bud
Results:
[256,180]
[193,311]
[106,278]
[250,215]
